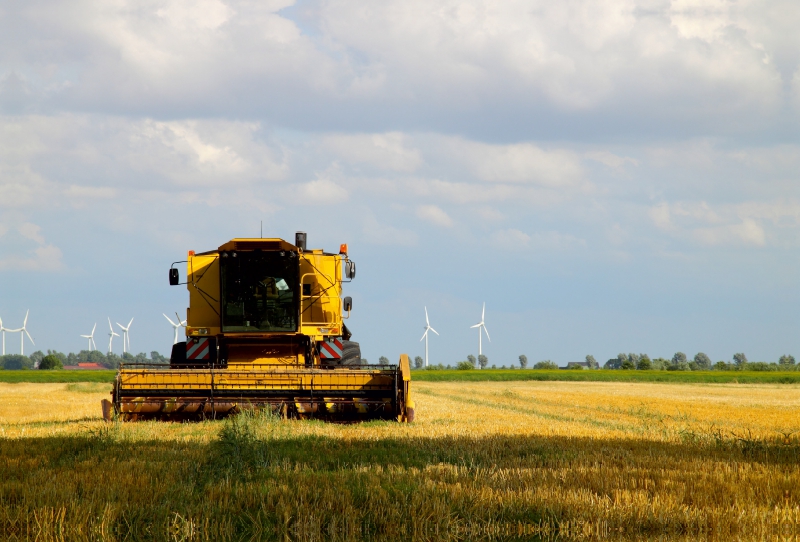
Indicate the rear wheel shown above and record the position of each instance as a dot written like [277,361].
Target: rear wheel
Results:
[351,353]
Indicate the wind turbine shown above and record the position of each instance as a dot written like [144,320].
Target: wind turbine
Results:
[92,346]
[176,326]
[126,338]
[3,332]
[22,332]
[480,325]
[425,335]
[111,335]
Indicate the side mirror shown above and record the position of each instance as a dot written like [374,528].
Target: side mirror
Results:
[174,279]
[347,303]
[350,269]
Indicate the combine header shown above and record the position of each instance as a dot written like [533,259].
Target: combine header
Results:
[265,329]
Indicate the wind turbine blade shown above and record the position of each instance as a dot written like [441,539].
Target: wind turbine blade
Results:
[110,326]
[25,323]
[129,323]
[434,331]
[121,326]
[476,325]
[170,321]
[95,327]
[483,312]
[29,336]
[426,316]
[423,335]
[487,333]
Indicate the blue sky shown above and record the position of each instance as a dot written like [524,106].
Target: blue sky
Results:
[617,176]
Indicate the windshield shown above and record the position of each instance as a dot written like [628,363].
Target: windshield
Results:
[259,291]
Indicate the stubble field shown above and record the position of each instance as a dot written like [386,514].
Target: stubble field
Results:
[483,460]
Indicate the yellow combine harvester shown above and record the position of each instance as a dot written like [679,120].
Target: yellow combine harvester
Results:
[265,329]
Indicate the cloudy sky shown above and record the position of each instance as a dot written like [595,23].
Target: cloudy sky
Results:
[608,176]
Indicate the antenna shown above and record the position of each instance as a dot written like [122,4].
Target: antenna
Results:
[425,335]
[481,325]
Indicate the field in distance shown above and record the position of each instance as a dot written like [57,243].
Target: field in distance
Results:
[488,459]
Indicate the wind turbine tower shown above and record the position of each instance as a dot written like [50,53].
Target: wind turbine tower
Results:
[177,326]
[111,335]
[126,338]
[425,335]
[3,332]
[90,338]
[481,325]
[22,332]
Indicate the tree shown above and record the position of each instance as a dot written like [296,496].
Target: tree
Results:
[678,358]
[661,364]
[702,361]
[483,361]
[60,355]
[786,361]
[472,360]
[523,361]
[158,358]
[545,364]
[644,363]
[591,362]
[16,361]
[740,360]
[418,362]
[465,366]
[50,361]
[622,358]
[633,358]
[383,360]
[613,363]
[37,357]
[627,365]
[721,366]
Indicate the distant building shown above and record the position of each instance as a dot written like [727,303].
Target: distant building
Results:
[581,364]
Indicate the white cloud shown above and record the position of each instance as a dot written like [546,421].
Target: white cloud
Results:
[521,163]
[514,239]
[611,160]
[389,151]
[378,233]
[434,215]
[320,192]
[24,248]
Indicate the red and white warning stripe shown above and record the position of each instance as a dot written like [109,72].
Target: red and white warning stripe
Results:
[331,349]
[198,349]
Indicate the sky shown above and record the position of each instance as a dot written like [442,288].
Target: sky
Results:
[607,176]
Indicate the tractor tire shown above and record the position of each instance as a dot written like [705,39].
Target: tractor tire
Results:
[351,353]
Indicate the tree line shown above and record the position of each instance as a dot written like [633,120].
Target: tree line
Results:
[53,359]
[700,362]
[632,361]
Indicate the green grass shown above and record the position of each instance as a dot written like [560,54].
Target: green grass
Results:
[56,376]
[722,377]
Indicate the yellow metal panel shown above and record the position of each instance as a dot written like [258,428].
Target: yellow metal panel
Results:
[202,271]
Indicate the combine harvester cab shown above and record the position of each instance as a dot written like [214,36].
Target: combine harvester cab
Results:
[265,329]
